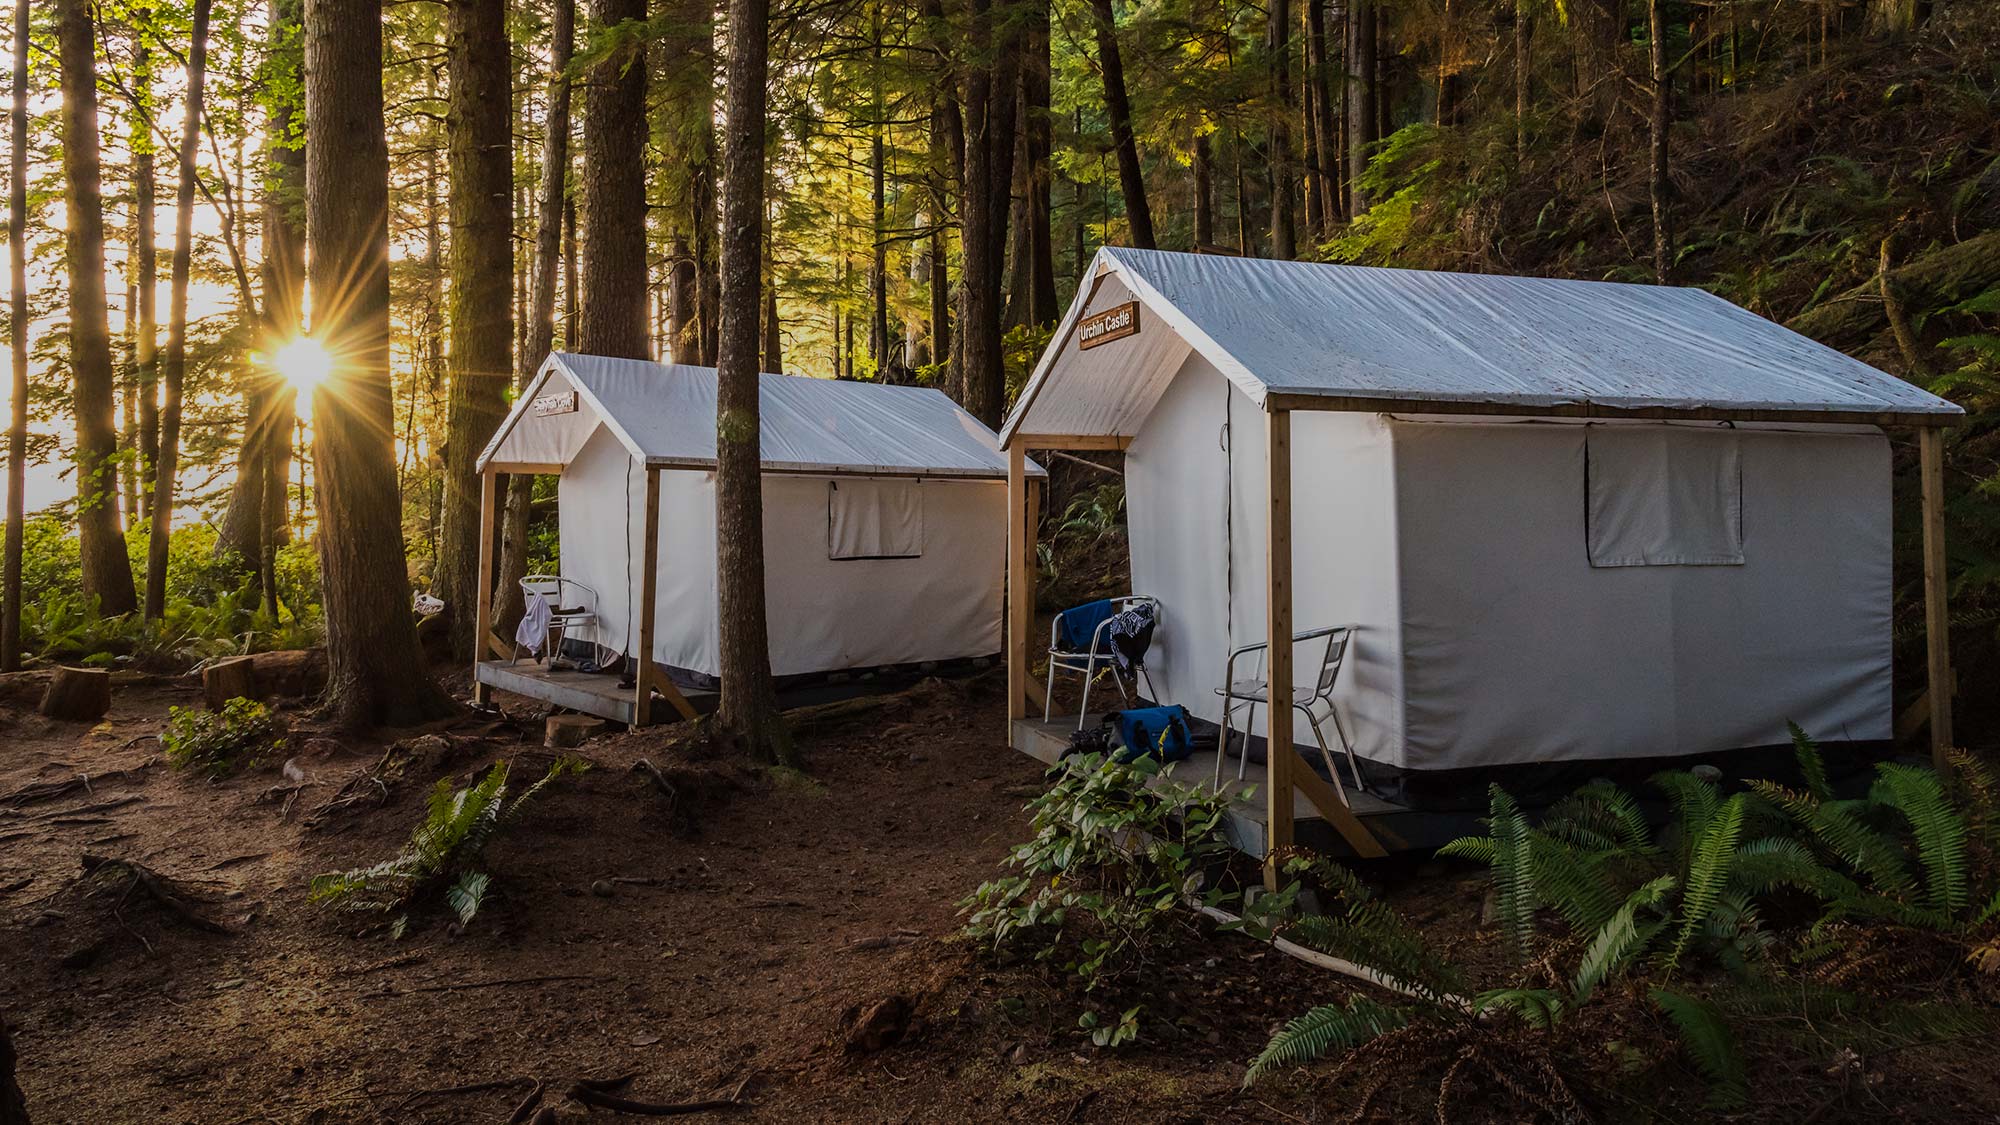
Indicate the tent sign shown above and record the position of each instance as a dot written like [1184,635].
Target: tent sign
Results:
[1114,323]
[564,403]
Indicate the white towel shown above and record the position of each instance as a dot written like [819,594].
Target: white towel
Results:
[533,631]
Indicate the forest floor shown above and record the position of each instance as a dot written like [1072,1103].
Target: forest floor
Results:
[787,939]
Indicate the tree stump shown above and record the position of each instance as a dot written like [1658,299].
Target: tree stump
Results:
[565,732]
[227,679]
[290,673]
[80,695]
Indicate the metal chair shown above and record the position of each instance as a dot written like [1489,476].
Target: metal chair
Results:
[567,614]
[1306,700]
[1098,657]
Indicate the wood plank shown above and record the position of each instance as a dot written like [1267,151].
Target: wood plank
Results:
[1037,695]
[1334,811]
[578,691]
[1070,441]
[1017,583]
[664,684]
[649,584]
[1378,405]
[1280,761]
[483,599]
[1937,610]
[529,468]
[500,649]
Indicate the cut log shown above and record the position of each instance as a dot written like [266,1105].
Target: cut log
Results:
[291,673]
[80,695]
[230,678]
[565,732]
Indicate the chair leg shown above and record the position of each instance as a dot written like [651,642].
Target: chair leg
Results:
[1346,743]
[1222,745]
[1332,771]
[1089,674]
[1243,763]
[1049,696]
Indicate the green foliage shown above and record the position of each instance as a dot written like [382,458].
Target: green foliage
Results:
[215,744]
[1112,1035]
[1323,1030]
[1709,1039]
[446,851]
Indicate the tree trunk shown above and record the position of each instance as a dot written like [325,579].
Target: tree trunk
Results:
[989,176]
[1657,123]
[1360,99]
[1031,298]
[613,319]
[13,1107]
[1284,233]
[1523,42]
[747,716]
[255,524]
[541,310]
[481,314]
[1204,194]
[17,428]
[1118,107]
[878,256]
[107,572]
[1320,112]
[145,349]
[571,300]
[375,670]
[174,371]
[1942,277]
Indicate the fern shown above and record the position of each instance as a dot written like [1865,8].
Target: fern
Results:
[1327,1028]
[1513,871]
[1978,793]
[1712,860]
[1694,803]
[467,894]
[1837,827]
[1539,1008]
[1710,1041]
[1600,816]
[1940,833]
[1763,865]
[1812,767]
[1622,938]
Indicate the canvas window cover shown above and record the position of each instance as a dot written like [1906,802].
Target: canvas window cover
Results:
[1664,496]
[874,519]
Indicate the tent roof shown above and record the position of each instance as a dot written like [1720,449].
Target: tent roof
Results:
[664,414]
[1366,338]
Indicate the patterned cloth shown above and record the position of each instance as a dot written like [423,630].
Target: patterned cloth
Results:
[1131,634]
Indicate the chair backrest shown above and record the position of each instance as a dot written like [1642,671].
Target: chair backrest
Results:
[1330,661]
[555,587]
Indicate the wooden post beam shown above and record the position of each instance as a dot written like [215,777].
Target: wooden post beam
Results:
[1937,611]
[1069,441]
[1017,586]
[649,584]
[1279,757]
[483,599]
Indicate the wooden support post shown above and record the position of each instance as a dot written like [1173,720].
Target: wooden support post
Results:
[1937,614]
[1034,688]
[483,605]
[1017,586]
[1278,755]
[649,584]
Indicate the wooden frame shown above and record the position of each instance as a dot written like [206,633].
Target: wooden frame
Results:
[1937,610]
[483,605]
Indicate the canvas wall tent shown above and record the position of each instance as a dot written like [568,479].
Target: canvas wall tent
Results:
[1572,520]
[882,511]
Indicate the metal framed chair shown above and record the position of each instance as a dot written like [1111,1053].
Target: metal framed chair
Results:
[1307,699]
[568,613]
[1096,658]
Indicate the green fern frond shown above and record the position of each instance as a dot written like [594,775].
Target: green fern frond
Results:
[1513,871]
[1918,794]
[1621,939]
[1978,793]
[1573,881]
[1478,849]
[1327,1028]
[1812,767]
[1694,803]
[1762,865]
[1710,1041]
[1539,1008]
[1602,816]
[1837,827]
[1712,861]
[467,894]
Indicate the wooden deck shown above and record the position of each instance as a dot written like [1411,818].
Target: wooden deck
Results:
[1400,829]
[592,693]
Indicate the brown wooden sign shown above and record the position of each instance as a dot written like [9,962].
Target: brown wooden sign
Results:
[1114,323]
[564,403]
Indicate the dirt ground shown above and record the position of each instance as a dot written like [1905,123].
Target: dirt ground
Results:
[790,940]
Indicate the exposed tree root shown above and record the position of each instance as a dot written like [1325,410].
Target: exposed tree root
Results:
[156,887]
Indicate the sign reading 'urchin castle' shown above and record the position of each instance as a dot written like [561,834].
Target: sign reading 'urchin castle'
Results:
[1114,323]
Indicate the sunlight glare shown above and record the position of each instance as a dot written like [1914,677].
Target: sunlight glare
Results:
[303,363]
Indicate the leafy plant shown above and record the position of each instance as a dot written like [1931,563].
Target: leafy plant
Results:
[446,852]
[218,743]
[1117,848]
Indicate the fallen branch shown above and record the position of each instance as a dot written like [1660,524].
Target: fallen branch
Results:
[1345,968]
[886,941]
[595,1095]
[461,985]
[468,1088]
[527,1106]
[81,810]
[144,878]
[50,790]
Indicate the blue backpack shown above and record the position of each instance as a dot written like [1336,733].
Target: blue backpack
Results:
[1159,732]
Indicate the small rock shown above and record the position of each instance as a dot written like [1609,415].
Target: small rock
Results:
[601,888]
[1020,1054]
[225,985]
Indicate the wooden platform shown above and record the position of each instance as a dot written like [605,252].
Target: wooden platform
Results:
[592,693]
[1399,829]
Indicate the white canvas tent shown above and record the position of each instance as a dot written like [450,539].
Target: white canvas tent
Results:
[1572,520]
[881,513]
